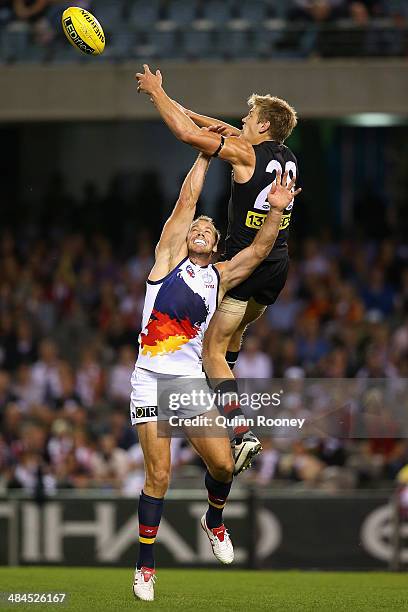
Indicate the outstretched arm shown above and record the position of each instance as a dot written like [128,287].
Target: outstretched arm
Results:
[235,150]
[237,269]
[172,246]
[204,121]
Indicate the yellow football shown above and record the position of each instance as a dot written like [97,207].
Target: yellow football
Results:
[83,30]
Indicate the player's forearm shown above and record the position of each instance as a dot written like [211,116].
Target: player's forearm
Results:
[266,236]
[179,123]
[194,181]
[204,121]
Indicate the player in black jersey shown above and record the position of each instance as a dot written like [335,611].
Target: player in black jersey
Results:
[257,155]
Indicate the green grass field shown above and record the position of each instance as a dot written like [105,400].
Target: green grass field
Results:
[96,590]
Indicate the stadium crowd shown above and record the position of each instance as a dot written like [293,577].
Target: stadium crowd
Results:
[211,29]
[70,314]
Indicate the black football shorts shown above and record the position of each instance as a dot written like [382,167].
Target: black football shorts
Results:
[265,283]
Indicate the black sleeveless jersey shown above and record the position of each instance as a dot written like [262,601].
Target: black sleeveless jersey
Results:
[248,205]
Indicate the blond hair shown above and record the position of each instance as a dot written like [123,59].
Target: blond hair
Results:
[217,232]
[281,116]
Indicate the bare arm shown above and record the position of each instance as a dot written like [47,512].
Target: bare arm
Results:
[172,246]
[235,150]
[237,269]
[204,121]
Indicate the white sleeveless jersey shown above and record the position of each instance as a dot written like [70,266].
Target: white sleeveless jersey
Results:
[176,313]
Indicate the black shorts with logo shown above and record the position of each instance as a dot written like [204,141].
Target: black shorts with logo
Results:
[265,283]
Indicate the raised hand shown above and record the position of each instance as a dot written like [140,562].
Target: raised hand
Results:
[147,82]
[281,194]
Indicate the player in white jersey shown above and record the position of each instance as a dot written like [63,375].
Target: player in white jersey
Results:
[183,290]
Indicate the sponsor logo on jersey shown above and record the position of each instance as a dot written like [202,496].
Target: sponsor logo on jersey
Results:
[256,220]
[143,412]
[190,271]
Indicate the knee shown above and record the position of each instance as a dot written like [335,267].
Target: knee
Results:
[222,470]
[157,481]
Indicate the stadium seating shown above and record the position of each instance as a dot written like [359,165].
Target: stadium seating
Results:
[254,11]
[181,12]
[218,11]
[110,13]
[199,43]
[142,15]
[14,42]
[211,29]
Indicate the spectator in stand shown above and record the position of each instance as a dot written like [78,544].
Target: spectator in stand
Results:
[400,339]
[34,12]
[60,443]
[119,384]
[6,394]
[90,378]
[140,265]
[45,373]
[311,346]
[68,401]
[282,315]
[29,10]
[362,11]
[121,429]
[110,464]
[24,347]
[376,365]
[314,261]
[252,361]
[317,10]
[287,357]
[23,388]
[377,294]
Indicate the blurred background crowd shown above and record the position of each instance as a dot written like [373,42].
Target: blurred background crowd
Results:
[210,29]
[70,314]
[77,243]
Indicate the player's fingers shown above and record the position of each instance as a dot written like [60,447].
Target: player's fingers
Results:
[158,73]
[292,183]
[285,178]
[146,69]
[278,177]
[295,193]
[272,189]
[139,75]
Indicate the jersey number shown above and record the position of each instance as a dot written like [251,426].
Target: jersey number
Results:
[261,202]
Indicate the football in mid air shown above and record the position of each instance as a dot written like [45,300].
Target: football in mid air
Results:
[83,31]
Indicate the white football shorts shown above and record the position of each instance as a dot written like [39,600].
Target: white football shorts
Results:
[144,405]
